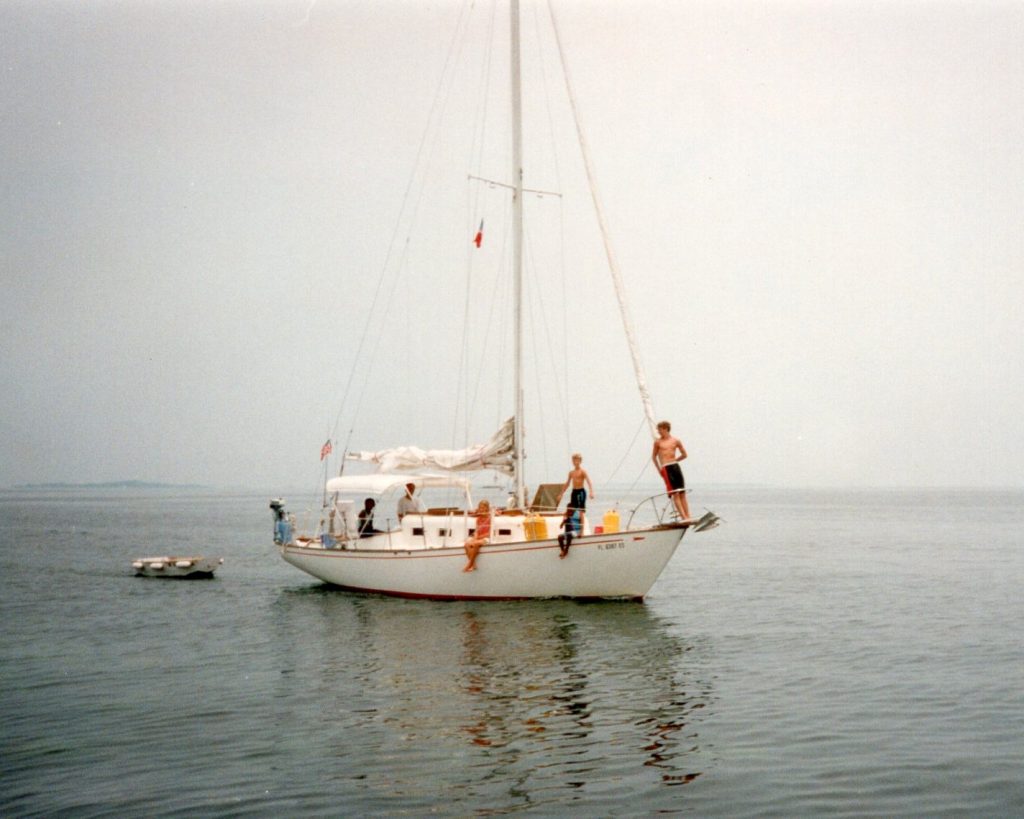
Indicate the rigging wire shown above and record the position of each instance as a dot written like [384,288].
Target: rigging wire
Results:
[404,209]
[495,301]
[473,387]
[558,385]
[538,388]
[505,328]
[561,378]
[474,195]
[469,390]
[409,211]
[627,453]
[613,267]
[565,324]
[563,374]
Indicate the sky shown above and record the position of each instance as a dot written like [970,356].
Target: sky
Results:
[230,233]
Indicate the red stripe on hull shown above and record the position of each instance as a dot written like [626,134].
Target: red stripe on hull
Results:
[452,598]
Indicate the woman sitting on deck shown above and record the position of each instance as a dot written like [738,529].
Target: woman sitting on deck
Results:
[479,537]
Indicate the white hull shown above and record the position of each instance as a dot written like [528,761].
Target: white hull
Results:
[621,565]
[176,566]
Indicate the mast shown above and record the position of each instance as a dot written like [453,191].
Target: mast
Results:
[517,249]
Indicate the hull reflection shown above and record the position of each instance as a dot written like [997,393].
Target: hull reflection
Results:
[524,705]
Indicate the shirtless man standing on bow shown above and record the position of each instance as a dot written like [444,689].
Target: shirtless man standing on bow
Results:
[666,462]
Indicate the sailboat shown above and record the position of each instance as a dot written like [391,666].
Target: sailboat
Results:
[533,550]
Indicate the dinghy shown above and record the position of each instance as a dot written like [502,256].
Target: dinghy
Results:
[176,567]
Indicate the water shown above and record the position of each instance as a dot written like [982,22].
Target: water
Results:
[821,653]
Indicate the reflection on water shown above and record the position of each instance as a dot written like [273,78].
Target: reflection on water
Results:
[505,705]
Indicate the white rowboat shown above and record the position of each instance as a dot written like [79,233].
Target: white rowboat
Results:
[176,567]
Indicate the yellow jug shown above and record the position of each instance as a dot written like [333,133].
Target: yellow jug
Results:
[536,527]
[610,522]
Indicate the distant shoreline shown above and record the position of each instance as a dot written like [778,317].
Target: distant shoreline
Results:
[111,485]
[610,491]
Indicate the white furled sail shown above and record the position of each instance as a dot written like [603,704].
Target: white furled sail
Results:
[495,454]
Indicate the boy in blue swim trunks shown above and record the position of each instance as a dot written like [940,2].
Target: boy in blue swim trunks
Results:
[577,478]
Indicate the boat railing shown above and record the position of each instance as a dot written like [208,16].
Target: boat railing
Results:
[659,507]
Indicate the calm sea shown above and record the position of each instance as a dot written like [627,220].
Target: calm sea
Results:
[821,653]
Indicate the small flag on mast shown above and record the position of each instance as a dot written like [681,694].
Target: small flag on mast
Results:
[326,449]
[478,239]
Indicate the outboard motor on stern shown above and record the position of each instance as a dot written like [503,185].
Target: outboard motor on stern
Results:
[282,526]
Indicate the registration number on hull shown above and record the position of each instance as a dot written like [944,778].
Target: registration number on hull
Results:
[615,544]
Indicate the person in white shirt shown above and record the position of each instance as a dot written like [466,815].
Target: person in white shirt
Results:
[408,503]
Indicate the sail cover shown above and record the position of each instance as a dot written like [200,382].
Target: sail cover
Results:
[495,454]
[377,483]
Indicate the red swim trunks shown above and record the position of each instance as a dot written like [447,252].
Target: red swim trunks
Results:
[673,477]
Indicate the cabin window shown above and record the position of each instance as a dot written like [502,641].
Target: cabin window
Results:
[442,532]
[505,532]
[417,530]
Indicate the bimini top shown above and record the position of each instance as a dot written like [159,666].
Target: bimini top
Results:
[378,483]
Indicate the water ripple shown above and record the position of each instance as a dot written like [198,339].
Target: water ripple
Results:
[808,666]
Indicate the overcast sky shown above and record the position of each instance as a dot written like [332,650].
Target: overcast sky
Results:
[818,209]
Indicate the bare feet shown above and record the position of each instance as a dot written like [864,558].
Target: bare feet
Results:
[469,569]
